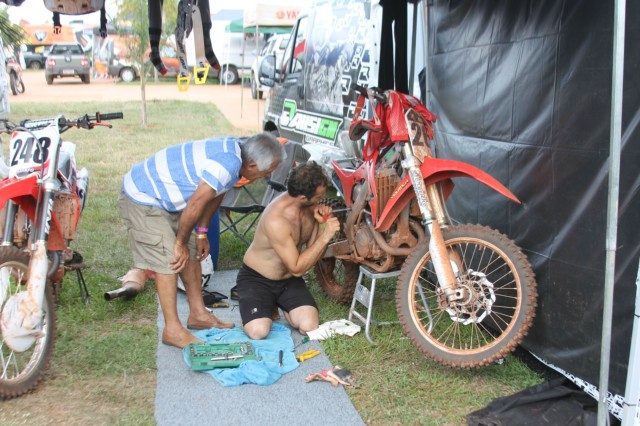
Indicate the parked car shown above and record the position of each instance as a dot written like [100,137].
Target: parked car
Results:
[275,46]
[112,59]
[35,60]
[67,60]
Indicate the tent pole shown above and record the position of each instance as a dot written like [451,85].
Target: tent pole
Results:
[425,48]
[257,54]
[241,71]
[612,205]
[632,391]
[413,47]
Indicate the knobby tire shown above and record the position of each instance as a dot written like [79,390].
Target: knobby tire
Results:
[491,321]
[21,372]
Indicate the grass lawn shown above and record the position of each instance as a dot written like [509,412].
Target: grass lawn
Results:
[103,366]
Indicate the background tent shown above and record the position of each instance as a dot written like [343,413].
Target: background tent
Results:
[265,17]
[523,91]
[237,26]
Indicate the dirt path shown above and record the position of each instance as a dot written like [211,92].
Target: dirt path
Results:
[236,104]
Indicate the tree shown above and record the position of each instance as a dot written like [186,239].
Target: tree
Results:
[11,34]
[133,26]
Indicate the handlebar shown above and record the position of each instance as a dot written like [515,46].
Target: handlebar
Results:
[375,92]
[85,122]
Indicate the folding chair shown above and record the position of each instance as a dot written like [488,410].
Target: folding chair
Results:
[242,199]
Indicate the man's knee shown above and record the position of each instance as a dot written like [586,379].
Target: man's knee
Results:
[305,319]
[257,329]
[308,324]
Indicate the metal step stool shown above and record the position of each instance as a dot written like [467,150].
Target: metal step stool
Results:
[365,296]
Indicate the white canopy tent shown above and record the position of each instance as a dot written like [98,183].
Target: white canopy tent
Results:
[264,17]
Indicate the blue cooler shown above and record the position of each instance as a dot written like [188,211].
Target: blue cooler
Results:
[213,235]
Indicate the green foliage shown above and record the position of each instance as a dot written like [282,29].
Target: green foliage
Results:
[10,34]
[132,23]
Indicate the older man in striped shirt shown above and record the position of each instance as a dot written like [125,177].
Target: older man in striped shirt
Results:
[171,194]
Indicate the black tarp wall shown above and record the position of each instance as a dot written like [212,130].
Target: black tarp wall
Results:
[522,90]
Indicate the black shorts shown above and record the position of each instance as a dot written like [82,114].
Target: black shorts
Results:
[258,295]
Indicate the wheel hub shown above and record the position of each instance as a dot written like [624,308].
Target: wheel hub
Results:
[475,299]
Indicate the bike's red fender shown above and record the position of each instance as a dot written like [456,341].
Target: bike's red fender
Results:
[24,192]
[12,189]
[436,170]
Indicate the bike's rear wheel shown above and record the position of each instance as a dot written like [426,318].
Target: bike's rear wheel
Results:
[496,312]
[337,278]
[20,372]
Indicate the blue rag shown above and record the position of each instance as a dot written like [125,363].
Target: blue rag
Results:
[264,372]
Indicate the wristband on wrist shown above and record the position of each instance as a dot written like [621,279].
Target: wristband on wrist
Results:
[201,236]
[202,229]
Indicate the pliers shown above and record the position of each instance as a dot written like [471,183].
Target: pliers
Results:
[307,355]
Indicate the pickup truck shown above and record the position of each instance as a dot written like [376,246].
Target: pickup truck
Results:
[33,60]
[67,60]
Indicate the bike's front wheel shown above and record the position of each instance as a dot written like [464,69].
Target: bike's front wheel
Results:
[20,372]
[494,306]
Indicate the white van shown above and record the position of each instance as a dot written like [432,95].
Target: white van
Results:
[275,47]
[332,47]
[235,60]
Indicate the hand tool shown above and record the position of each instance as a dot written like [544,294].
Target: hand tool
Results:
[307,355]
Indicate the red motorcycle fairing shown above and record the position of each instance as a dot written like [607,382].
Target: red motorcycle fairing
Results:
[24,192]
[349,179]
[12,189]
[433,170]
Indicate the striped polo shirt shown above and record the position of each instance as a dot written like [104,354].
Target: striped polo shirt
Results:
[170,177]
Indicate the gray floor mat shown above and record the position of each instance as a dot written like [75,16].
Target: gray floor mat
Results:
[185,397]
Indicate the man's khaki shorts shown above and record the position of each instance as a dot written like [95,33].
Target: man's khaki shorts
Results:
[152,234]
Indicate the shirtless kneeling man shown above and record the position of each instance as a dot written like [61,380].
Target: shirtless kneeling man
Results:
[291,237]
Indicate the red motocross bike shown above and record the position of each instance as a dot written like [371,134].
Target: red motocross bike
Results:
[466,294]
[42,200]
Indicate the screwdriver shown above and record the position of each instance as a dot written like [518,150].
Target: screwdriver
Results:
[325,217]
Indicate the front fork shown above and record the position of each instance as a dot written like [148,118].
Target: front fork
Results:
[433,215]
[39,262]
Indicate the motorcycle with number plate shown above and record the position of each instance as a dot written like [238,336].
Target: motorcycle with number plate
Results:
[466,294]
[42,199]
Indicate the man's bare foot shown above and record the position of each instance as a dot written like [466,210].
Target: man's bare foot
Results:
[179,340]
[211,321]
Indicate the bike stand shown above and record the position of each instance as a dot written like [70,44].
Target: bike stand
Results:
[365,296]
[78,265]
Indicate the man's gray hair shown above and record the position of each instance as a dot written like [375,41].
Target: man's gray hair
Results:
[262,149]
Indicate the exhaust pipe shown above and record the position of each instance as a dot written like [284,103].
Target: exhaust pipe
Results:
[132,284]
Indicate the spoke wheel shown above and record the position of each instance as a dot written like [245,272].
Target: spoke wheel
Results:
[337,277]
[494,308]
[20,372]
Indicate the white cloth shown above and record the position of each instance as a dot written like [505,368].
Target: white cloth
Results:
[330,328]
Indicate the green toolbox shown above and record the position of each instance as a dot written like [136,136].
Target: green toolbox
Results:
[207,356]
